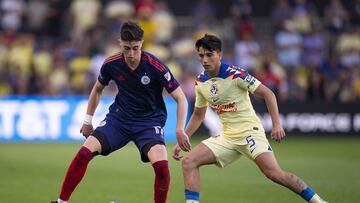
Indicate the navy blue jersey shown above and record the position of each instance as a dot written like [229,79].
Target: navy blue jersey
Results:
[139,98]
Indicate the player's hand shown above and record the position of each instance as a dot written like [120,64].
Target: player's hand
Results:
[277,133]
[176,153]
[183,140]
[86,130]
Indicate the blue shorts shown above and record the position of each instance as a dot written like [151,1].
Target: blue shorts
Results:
[113,135]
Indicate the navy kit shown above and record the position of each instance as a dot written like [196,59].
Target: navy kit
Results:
[138,113]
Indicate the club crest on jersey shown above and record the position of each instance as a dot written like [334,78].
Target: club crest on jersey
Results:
[213,89]
[145,80]
[167,76]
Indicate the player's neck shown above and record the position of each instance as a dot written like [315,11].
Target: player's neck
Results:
[214,72]
[133,64]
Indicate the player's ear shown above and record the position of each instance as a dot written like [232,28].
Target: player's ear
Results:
[220,54]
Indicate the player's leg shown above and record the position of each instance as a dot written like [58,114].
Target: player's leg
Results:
[106,138]
[214,150]
[151,144]
[200,155]
[78,167]
[259,150]
[270,167]
[158,158]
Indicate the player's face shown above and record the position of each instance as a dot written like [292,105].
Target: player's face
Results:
[210,60]
[131,50]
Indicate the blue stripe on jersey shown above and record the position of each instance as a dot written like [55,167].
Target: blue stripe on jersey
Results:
[204,76]
[224,72]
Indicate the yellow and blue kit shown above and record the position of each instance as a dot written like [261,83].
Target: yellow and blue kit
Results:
[228,95]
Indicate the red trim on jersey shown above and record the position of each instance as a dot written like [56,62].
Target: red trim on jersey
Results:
[113,58]
[160,67]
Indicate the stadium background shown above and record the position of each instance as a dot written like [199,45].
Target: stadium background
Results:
[307,52]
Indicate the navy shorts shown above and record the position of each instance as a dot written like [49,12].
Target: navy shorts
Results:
[113,135]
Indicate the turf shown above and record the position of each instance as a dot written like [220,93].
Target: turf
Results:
[33,173]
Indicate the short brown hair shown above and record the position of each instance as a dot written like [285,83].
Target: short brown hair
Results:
[131,31]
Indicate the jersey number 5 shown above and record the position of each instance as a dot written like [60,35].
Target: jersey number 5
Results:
[252,145]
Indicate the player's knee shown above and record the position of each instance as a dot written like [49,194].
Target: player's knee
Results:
[93,144]
[188,163]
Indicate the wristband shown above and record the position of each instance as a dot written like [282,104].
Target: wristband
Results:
[88,119]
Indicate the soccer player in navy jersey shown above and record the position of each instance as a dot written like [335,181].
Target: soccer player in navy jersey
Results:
[225,88]
[138,113]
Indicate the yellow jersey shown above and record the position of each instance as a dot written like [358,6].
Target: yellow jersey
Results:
[228,95]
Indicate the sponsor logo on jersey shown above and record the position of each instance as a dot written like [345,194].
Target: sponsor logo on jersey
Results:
[145,80]
[221,108]
[167,76]
[121,77]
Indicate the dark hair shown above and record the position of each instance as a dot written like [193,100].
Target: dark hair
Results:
[209,42]
[131,31]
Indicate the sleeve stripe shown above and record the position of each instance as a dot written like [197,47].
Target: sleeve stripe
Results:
[113,58]
[160,67]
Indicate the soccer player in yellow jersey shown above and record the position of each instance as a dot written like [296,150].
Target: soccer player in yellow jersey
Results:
[225,88]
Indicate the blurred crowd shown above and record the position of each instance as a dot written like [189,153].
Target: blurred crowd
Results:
[303,53]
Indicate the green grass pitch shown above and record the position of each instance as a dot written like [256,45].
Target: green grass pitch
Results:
[33,173]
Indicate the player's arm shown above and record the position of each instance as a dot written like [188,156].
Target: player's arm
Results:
[277,132]
[196,119]
[182,108]
[93,102]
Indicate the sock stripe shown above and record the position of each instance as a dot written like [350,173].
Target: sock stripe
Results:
[191,195]
[160,164]
[307,194]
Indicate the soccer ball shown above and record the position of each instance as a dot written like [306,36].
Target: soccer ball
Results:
[115,202]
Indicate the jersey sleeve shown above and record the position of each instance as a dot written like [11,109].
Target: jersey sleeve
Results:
[167,79]
[200,100]
[104,76]
[248,82]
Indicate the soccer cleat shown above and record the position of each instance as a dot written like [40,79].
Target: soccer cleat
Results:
[58,201]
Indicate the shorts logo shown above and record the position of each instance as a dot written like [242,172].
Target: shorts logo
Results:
[145,80]
[159,130]
[167,76]
[102,123]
